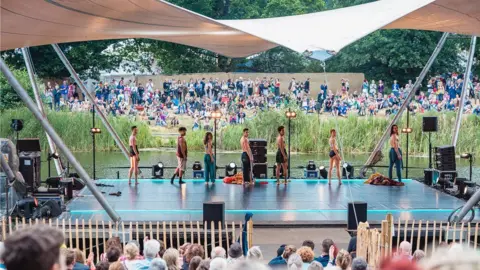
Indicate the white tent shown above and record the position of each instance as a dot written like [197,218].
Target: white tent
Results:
[39,22]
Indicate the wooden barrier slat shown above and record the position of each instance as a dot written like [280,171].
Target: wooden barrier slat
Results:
[398,233]
[10,229]
[475,237]
[434,235]
[130,231]
[70,244]
[426,237]
[97,243]
[110,229]
[454,238]
[205,243]
[184,233]
[198,233]
[171,235]
[77,238]
[158,230]
[413,232]
[123,235]
[192,233]
[461,233]
[84,246]
[212,234]
[144,228]
[233,232]
[4,228]
[419,233]
[178,236]
[220,238]
[447,232]
[468,234]
[104,234]
[24,222]
[90,236]
[440,238]
[164,227]
[151,236]
[227,237]
[241,234]
[16,223]
[405,231]
[137,232]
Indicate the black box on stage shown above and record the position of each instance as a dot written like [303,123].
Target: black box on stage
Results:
[258,143]
[445,158]
[260,170]
[214,211]
[428,177]
[259,159]
[28,145]
[358,210]
[30,170]
[430,124]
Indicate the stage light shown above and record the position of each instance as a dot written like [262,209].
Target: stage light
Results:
[290,114]
[466,155]
[231,169]
[348,168]
[16,125]
[94,131]
[157,171]
[460,183]
[53,156]
[197,166]
[407,130]
[216,114]
[323,172]
[311,166]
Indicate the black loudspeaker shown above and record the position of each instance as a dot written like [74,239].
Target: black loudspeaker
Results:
[213,211]
[258,143]
[445,158]
[260,170]
[360,212]
[430,124]
[16,125]
[428,177]
[30,170]
[28,145]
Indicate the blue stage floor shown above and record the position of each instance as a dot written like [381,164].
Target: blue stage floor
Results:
[303,201]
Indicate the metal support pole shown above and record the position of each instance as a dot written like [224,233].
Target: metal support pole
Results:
[22,93]
[215,150]
[289,157]
[430,166]
[395,119]
[36,93]
[93,142]
[98,110]
[406,157]
[466,78]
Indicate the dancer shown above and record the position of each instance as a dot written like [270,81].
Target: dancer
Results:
[335,157]
[181,156]
[395,154]
[247,158]
[209,159]
[281,157]
[134,156]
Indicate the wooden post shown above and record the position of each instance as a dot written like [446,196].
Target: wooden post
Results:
[70,233]
[241,235]
[233,232]
[205,243]
[454,232]
[151,236]
[447,232]
[383,239]
[123,234]
[468,234]
[144,228]
[97,243]
[434,235]
[461,233]
[419,234]
[184,233]
[158,230]
[426,237]
[171,235]
[405,231]
[475,237]
[212,234]
[77,240]
[164,225]
[16,223]
[413,232]
[220,238]
[104,234]
[130,230]
[10,225]
[192,233]
[137,233]
[398,233]
[84,246]
[440,238]
[391,231]
[227,237]
[198,233]
[4,228]
[178,236]
[110,229]
[90,236]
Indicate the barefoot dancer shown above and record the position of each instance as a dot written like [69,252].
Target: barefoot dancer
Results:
[281,157]
[335,157]
[134,156]
[181,156]
[395,154]
[247,158]
[209,159]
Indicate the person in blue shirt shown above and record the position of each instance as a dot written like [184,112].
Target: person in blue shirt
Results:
[283,253]
[324,88]
[324,258]
[395,88]
[64,90]
[451,90]
[476,111]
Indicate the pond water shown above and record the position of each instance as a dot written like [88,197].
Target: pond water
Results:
[106,160]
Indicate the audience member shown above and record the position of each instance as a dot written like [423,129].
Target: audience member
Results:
[194,263]
[205,265]
[150,251]
[315,266]
[116,266]
[418,255]
[254,253]
[102,266]
[294,262]
[131,252]
[192,251]
[218,252]
[69,258]
[34,248]
[307,255]
[308,243]
[157,264]
[405,250]
[282,260]
[218,264]
[324,257]
[235,254]
[113,254]
[343,260]
[359,264]
[171,256]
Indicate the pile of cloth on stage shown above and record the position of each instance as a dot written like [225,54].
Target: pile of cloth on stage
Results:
[381,180]
[236,179]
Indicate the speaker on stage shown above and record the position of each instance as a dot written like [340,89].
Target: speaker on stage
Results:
[358,209]
[430,124]
[428,177]
[260,170]
[213,211]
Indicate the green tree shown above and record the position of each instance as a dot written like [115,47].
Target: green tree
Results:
[88,58]
[8,96]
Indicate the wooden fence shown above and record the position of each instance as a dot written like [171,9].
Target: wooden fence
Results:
[90,236]
[374,244]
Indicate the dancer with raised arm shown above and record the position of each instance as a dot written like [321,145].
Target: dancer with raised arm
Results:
[335,157]
[281,158]
[181,156]
[134,156]
[395,154]
[247,158]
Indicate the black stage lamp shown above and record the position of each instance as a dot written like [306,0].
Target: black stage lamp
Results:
[16,125]
[94,131]
[231,169]
[157,171]
[311,166]
[460,183]
[197,166]
[323,172]
[53,156]
[348,168]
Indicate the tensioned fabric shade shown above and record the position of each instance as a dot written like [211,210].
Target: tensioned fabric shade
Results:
[321,34]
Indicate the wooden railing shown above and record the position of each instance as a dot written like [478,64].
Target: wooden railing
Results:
[90,236]
[374,244]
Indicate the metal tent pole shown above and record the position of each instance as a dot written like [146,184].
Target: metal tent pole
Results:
[22,93]
[36,93]
[92,99]
[468,70]
[420,78]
